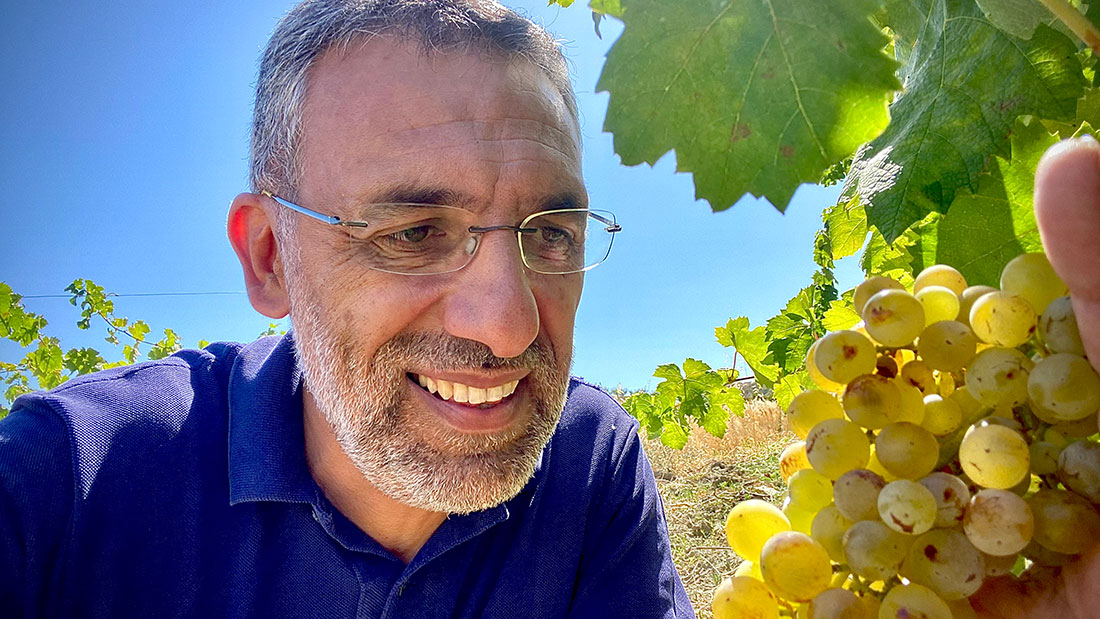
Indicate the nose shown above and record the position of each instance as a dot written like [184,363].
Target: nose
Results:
[491,300]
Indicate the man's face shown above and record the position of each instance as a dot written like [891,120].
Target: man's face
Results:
[384,123]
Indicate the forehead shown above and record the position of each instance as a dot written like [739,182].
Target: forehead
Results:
[383,112]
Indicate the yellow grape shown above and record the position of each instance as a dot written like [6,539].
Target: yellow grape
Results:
[946,562]
[1063,387]
[793,459]
[876,467]
[810,408]
[836,446]
[835,603]
[1003,319]
[1085,426]
[855,494]
[907,450]
[998,377]
[816,375]
[998,522]
[907,507]
[994,456]
[828,528]
[918,374]
[1064,522]
[810,489]
[741,597]
[1044,457]
[893,317]
[874,550]
[952,497]
[945,383]
[750,524]
[912,403]
[940,275]
[970,406]
[750,569]
[800,516]
[795,566]
[1031,277]
[1079,469]
[1058,328]
[870,399]
[941,416]
[947,345]
[913,601]
[939,303]
[967,299]
[869,287]
[843,355]
[998,566]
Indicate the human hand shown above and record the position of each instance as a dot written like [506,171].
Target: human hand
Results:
[1067,207]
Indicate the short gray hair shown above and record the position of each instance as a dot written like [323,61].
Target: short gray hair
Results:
[316,26]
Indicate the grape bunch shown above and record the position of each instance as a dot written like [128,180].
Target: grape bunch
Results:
[952,437]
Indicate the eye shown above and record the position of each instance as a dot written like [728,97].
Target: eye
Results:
[554,235]
[416,234]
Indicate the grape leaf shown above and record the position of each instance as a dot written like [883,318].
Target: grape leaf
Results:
[752,345]
[1017,17]
[966,82]
[840,316]
[846,223]
[755,96]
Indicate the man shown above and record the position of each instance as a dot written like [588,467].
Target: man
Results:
[416,447]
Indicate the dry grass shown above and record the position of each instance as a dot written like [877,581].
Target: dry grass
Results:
[700,484]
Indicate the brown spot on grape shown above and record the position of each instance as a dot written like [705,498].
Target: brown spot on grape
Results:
[948,494]
[850,352]
[930,552]
[908,528]
[739,131]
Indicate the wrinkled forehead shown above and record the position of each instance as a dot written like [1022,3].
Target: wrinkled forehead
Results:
[394,94]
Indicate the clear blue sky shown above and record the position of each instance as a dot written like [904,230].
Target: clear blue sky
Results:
[124,132]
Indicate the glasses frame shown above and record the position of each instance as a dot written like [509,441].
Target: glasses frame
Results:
[607,218]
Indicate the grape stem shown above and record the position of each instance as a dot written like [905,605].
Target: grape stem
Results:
[1076,22]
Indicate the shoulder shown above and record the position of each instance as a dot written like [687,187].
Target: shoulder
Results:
[592,415]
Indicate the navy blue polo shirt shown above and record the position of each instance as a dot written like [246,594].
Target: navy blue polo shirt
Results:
[179,488]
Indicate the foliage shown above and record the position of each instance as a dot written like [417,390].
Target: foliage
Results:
[933,112]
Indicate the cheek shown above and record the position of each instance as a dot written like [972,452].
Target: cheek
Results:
[557,299]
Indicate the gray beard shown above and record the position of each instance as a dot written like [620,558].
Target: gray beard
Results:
[376,422]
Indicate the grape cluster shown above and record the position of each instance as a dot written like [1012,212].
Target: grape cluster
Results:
[952,438]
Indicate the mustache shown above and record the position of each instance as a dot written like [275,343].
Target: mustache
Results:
[446,352]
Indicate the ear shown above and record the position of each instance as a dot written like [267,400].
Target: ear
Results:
[252,234]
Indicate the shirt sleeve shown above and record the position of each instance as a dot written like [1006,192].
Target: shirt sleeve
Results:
[629,570]
[36,497]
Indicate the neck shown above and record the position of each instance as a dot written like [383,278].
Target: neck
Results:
[401,529]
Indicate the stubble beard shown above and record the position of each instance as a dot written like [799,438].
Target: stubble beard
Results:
[398,446]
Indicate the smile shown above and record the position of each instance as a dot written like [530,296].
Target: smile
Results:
[466,394]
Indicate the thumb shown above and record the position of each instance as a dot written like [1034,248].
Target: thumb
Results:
[1067,208]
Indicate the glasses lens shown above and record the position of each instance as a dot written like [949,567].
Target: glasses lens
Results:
[413,239]
[568,240]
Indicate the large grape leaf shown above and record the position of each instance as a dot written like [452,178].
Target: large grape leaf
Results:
[965,84]
[755,96]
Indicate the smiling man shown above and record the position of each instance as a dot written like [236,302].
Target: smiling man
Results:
[415,447]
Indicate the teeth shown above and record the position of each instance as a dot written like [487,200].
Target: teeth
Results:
[464,394]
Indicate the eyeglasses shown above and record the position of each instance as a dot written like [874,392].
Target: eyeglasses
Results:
[432,239]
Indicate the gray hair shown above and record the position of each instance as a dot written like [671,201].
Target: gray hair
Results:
[316,26]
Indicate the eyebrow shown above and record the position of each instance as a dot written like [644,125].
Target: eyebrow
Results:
[419,194]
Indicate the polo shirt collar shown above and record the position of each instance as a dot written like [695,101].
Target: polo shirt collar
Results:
[267,459]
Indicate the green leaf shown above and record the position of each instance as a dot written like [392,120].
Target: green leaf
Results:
[83,360]
[754,96]
[614,8]
[139,330]
[786,389]
[752,345]
[1019,18]
[840,316]
[846,223]
[672,435]
[986,229]
[966,83]
[564,3]
[889,259]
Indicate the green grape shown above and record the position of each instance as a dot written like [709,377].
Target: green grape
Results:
[1063,387]
[1058,328]
[941,417]
[855,494]
[869,287]
[998,377]
[939,303]
[793,459]
[994,456]
[947,345]
[1003,319]
[750,523]
[1031,277]
[874,550]
[946,562]
[811,407]
[913,601]
[967,299]
[828,528]
[741,597]
[810,489]
[800,516]
[952,497]
[795,566]
[1085,426]
[893,317]
[836,446]
[836,603]
[1064,522]
[1079,469]
[998,522]
[869,400]
[907,450]
[940,275]
[816,375]
[1044,457]
[918,374]
[840,356]
[907,507]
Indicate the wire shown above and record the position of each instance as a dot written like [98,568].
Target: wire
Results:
[137,294]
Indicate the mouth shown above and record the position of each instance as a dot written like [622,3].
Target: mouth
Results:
[469,395]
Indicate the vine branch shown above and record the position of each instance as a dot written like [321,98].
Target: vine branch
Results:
[1076,22]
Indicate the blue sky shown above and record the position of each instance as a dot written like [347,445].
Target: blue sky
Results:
[124,127]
